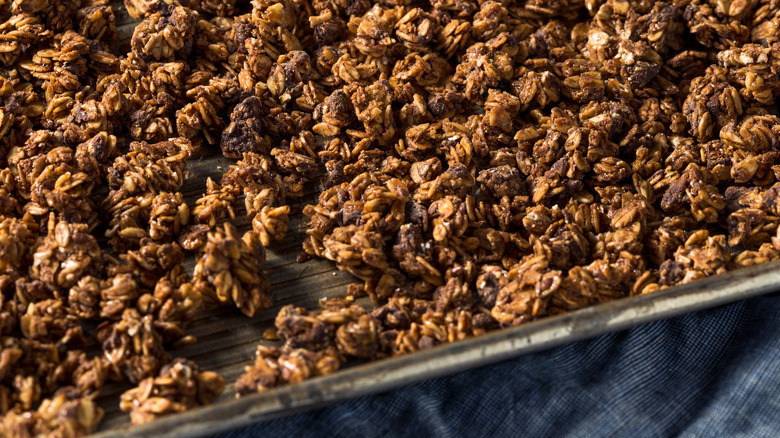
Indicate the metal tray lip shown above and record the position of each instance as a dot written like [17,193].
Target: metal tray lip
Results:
[390,373]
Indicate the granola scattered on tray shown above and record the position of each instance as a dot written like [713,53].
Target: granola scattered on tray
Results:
[478,165]
[491,163]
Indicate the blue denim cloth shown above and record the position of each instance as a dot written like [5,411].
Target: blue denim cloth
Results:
[708,374]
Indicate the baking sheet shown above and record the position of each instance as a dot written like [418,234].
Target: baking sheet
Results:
[227,339]
[450,358]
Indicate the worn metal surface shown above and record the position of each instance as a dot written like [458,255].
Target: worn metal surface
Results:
[227,339]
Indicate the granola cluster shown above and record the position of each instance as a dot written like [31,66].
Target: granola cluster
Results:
[231,270]
[478,165]
[491,163]
[315,343]
[181,385]
[74,313]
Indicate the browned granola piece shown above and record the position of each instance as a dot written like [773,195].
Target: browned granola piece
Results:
[65,255]
[231,270]
[245,133]
[274,366]
[97,23]
[165,34]
[180,385]
[132,347]
[143,201]
[65,414]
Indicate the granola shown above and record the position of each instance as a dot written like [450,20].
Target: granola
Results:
[475,165]
[180,386]
[542,159]
[231,270]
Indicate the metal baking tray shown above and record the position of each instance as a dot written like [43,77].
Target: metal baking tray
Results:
[227,340]
[451,358]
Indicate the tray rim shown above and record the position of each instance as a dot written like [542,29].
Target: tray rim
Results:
[392,373]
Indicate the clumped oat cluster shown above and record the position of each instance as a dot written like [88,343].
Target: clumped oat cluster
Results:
[481,164]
